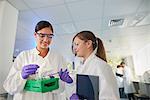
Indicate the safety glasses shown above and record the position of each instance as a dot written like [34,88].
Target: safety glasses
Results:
[42,35]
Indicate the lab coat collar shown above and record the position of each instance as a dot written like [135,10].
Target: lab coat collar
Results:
[87,61]
[35,51]
[92,55]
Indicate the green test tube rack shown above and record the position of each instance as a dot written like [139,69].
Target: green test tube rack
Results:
[42,85]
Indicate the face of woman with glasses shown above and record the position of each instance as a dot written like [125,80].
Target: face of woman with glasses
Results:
[43,38]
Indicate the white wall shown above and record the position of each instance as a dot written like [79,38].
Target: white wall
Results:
[8,25]
[142,60]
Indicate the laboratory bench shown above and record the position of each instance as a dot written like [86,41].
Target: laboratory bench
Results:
[141,94]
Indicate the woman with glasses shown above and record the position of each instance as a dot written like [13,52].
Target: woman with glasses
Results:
[34,63]
[91,49]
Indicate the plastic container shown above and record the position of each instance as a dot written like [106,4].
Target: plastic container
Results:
[42,85]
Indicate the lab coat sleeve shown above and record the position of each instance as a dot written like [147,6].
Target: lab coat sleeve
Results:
[14,82]
[63,65]
[127,74]
[69,88]
[128,84]
[108,89]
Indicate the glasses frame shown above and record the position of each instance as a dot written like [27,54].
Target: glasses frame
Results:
[42,35]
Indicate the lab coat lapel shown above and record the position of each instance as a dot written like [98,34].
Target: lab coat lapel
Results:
[85,65]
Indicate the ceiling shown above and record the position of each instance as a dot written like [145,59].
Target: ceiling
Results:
[71,16]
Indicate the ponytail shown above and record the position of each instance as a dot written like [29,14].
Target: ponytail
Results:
[100,50]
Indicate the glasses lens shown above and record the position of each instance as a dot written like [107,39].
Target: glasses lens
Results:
[75,45]
[50,35]
[45,35]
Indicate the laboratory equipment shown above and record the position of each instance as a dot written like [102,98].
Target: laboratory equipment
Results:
[42,85]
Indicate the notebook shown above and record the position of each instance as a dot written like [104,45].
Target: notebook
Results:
[87,87]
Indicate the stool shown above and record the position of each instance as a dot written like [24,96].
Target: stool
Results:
[141,97]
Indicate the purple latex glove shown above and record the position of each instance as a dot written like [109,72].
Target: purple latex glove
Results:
[74,97]
[29,70]
[64,76]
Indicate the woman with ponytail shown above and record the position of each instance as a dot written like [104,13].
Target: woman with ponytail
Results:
[91,49]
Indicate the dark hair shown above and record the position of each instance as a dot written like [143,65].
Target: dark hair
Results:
[118,66]
[122,63]
[43,24]
[101,50]
[88,35]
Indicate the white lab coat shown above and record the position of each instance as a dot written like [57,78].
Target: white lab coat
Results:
[14,84]
[107,83]
[120,81]
[73,68]
[128,84]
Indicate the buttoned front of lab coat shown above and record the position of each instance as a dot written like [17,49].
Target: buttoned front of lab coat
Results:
[14,84]
[120,81]
[107,83]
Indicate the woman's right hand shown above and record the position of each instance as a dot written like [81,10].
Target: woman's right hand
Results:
[29,70]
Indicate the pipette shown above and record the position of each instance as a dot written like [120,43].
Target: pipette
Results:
[53,74]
